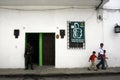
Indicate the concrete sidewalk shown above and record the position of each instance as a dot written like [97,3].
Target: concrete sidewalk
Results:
[51,71]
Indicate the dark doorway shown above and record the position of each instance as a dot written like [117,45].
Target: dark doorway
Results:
[33,38]
[46,56]
[48,48]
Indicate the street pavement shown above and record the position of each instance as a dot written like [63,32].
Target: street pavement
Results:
[50,71]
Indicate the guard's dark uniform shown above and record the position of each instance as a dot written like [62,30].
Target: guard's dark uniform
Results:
[28,57]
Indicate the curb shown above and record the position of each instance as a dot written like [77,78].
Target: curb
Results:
[61,74]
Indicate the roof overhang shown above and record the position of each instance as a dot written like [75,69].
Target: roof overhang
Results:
[71,3]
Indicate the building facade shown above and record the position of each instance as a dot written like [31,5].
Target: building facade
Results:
[42,28]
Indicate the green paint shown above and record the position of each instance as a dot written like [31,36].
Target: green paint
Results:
[40,49]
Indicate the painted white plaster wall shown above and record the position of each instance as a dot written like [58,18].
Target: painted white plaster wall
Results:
[70,58]
[12,50]
[111,39]
[113,4]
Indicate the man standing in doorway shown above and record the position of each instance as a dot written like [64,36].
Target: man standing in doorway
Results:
[101,56]
[28,57]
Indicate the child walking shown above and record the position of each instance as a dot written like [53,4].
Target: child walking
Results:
[92,59]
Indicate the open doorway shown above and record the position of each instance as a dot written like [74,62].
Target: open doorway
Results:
[43,48]
[33,39]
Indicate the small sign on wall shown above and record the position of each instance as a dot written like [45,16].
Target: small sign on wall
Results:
[16,33]
[117,29]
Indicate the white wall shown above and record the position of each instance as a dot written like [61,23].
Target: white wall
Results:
[113,4]
[111,39]
[70,58]
[12,50]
